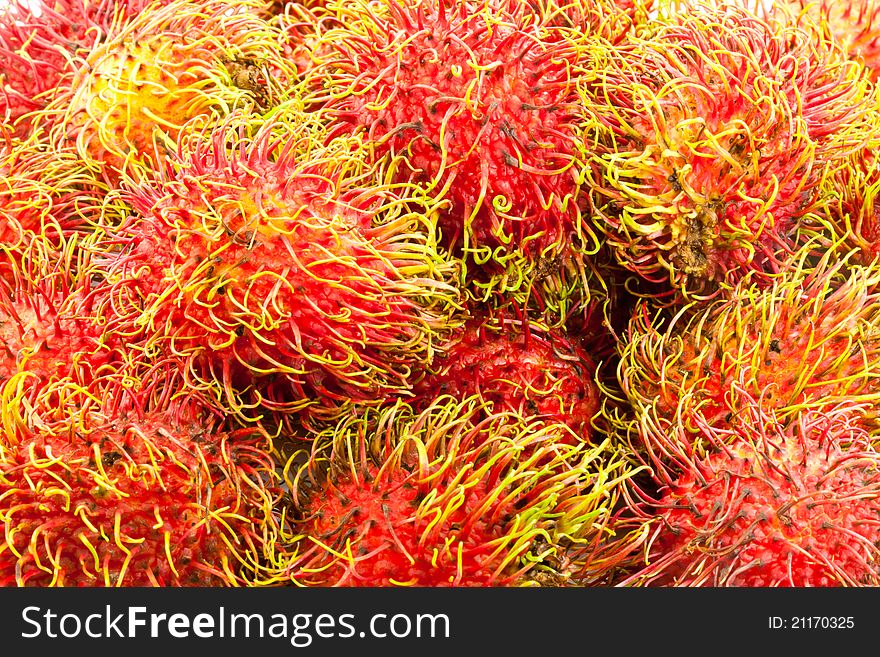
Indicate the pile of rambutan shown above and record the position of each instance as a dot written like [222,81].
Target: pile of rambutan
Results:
[557,293]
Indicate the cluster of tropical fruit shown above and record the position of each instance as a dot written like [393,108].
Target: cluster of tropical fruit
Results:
[439,293]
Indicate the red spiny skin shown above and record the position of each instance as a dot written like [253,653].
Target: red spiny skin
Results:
[32,331]
[160,504]
[36,47]
[376,514]
[47,195]
[248,264]
[718,130]
[302,26]
[518,368]
[854,206]
[856,25]
[53,342]
[796,506]
[809,340]
[453,495]
[478,101]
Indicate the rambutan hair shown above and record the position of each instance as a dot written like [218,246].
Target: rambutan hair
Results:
[35,51]
[267,264]
[808,341]
[448,497]
[134,501]
[516,364]
[303,25]
[855,25]
[848,222]
[764,502]
[863,42]
[57,361]
[711,139]
[479,99]
[47,197]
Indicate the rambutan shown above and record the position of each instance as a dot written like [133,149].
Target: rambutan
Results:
[711,139]
[37,40]
[259,260]
[480,101]
[438,293]
[40,41]
[855,25]
[442,498]
[811,340]
[849,220]
[46,195]
[765,503]
[134,501]
[171,62]
[516,365]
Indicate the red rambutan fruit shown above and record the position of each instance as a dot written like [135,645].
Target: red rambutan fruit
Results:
[46,196]
[711,140]
[170,63]
[480,100]
[849,221]
[516,365]
[442,498]
[260,260]
[134,501]
[39,42]
[811,340]
[764,503]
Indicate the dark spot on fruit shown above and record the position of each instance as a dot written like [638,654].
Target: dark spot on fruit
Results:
[416,126]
